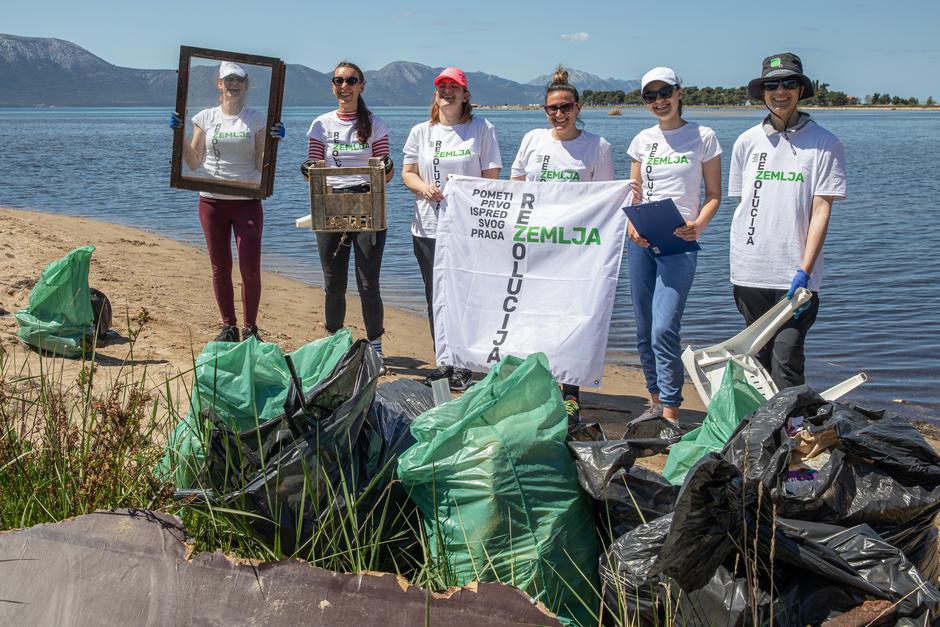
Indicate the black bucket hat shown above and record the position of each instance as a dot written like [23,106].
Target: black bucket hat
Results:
[783,65]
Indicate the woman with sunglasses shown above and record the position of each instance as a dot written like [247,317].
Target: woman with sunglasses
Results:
[346,138]
[670,160]
[234,134]
[452,141]
[787,171]
[563,152]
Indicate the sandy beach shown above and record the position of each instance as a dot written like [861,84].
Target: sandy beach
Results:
[141,271]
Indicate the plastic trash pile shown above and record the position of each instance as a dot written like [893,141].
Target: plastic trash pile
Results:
[795,509]
[809,508]
[64,315]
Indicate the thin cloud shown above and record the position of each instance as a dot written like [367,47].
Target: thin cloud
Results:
[575,36]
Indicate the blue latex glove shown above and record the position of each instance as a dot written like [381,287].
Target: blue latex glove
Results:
[175,121]
[800,279]
[278,131]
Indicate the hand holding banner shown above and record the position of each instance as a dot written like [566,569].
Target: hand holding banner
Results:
[527,267]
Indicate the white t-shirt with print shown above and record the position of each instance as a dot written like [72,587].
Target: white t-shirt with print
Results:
[671,164]
[441,151]
[342,148]
[230,146]
[541,157]
[776,180]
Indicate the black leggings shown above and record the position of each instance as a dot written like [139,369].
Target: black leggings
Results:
[783,355]
[334,259]
[424,253]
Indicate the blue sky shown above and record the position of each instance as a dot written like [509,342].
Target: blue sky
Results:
[858,47]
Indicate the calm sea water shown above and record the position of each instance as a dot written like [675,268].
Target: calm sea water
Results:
[880,301]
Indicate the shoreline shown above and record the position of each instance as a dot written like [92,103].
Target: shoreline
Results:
[139,270]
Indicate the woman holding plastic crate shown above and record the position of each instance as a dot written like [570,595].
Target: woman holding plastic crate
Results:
[345,138]
[563,152]
[235,135]
[452,141]
[670,160]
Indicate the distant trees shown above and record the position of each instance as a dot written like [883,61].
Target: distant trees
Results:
[735,96]
[887,99]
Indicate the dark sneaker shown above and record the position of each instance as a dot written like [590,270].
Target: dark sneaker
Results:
[227,334]
[441,372]
[573,409]
[460,380]
[251,331]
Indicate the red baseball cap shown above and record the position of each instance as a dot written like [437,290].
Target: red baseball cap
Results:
[454,74]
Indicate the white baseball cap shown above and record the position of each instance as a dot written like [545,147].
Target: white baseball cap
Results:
[227,68]
[664,74]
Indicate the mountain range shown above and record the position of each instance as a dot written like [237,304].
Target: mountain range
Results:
[38,71]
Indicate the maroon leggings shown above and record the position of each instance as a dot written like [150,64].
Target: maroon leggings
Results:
[245,217]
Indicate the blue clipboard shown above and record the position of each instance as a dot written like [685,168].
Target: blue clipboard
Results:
[657,221]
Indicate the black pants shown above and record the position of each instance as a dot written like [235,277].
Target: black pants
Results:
[424,253]
[783,355]
[334,259]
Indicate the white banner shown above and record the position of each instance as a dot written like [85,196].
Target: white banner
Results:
[526,267]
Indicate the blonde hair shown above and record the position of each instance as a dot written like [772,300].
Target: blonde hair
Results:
[465,114]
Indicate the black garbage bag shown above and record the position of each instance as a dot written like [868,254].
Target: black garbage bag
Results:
[298,470]
[723,519]
[386,434]
[101,312]
[880,470]
[634,596]
[652,424]
[626,495]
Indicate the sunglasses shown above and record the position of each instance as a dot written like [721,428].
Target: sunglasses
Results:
[649,97]
[775,84]
[448,86]
[352,81]
[234,78]
[565,108]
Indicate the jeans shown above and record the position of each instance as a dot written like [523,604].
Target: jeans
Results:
[783,355]
[660,287]
[334,259]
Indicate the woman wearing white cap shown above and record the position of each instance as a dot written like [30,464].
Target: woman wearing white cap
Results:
[566,153]
[452,141]
[670,160]
[228,143]
[348,137]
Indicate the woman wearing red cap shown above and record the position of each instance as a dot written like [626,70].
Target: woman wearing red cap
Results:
[452,141]
[348,137]
[235,135]
[670,160]
[563,152]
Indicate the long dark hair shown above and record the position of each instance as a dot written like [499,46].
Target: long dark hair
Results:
[363,115]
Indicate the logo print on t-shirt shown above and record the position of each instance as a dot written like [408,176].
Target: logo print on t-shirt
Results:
[755,200]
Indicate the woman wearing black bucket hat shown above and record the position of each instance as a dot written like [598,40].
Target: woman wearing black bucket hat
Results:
[787,171]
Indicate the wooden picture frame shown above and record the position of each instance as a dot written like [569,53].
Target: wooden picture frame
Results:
[275,102]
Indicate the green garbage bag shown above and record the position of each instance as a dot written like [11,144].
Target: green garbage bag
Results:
[59,315]
[245,384]
[734,400]
[499,490]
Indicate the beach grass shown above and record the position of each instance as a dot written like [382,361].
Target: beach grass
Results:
[73,444]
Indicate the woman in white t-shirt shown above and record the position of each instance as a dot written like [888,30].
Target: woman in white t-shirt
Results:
[670,160]
[228,144]
[563,153]
[346,138]
[452,141]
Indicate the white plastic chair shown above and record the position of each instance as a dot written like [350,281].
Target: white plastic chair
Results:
[706,366]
